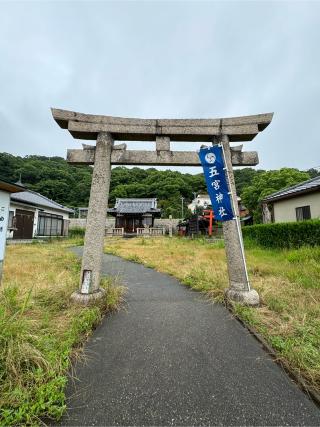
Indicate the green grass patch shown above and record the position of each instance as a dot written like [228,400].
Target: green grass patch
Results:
[41,331]
[135,258]
[76,232]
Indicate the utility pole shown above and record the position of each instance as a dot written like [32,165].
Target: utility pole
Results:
[170,226]
[182,199]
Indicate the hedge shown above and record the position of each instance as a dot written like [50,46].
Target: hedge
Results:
[77,232]
[284,234]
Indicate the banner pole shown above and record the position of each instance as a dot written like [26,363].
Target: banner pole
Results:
[217,161]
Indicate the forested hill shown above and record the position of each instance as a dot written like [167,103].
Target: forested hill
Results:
[70,185]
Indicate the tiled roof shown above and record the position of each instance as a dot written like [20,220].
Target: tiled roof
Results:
[304,187]
[35,199]
[135,206]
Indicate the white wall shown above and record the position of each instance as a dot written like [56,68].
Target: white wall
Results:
[285,210]
[81,222]
[4,215]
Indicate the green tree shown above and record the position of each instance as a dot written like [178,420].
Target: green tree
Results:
[268,182]
[70,185]
[243,178]
[313,172]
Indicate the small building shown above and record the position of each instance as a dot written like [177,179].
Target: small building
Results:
[6,188]
[33,215]
[296,203]
[131,214]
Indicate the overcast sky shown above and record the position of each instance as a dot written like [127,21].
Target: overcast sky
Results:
[162,59]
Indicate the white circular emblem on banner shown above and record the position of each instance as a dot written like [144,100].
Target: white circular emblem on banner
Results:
[210,158]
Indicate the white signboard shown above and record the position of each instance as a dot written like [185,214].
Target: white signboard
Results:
[86,282]
[4,216]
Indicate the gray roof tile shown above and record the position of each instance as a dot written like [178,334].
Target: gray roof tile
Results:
[36,199]
[306,186]
[135,206]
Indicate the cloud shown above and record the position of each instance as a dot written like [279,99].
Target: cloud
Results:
[161,59]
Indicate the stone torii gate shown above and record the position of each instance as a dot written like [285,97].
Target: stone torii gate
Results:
[106,129]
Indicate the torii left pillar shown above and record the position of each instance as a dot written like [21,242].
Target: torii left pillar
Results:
[90,277]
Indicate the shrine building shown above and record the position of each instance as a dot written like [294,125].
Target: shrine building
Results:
[131,214]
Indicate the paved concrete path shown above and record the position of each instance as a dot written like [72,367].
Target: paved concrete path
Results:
[170,357]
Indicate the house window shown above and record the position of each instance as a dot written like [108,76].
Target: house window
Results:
[303,213]
[50,225]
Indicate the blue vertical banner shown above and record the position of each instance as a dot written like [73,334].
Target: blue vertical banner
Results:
[212,161]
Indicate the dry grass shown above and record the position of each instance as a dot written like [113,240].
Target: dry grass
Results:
[185,259]
[38,266]
[288,282]
[40,329]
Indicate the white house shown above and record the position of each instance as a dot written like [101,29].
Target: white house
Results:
[33,215]
[296,203]
[203,201]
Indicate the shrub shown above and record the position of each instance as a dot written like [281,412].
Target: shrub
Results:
[77,232]
[284,234]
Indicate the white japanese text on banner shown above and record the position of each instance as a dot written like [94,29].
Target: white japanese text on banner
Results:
[212,161]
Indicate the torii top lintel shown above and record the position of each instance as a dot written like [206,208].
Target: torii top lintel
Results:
[88,126]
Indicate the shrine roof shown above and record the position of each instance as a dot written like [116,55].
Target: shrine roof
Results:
[132,206]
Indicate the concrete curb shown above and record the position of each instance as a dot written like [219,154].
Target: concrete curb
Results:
[310,391]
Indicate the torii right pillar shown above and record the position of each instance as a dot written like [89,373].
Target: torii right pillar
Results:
[239,287]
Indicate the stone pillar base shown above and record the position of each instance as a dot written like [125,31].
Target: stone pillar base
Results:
[87,299]
[243,297]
